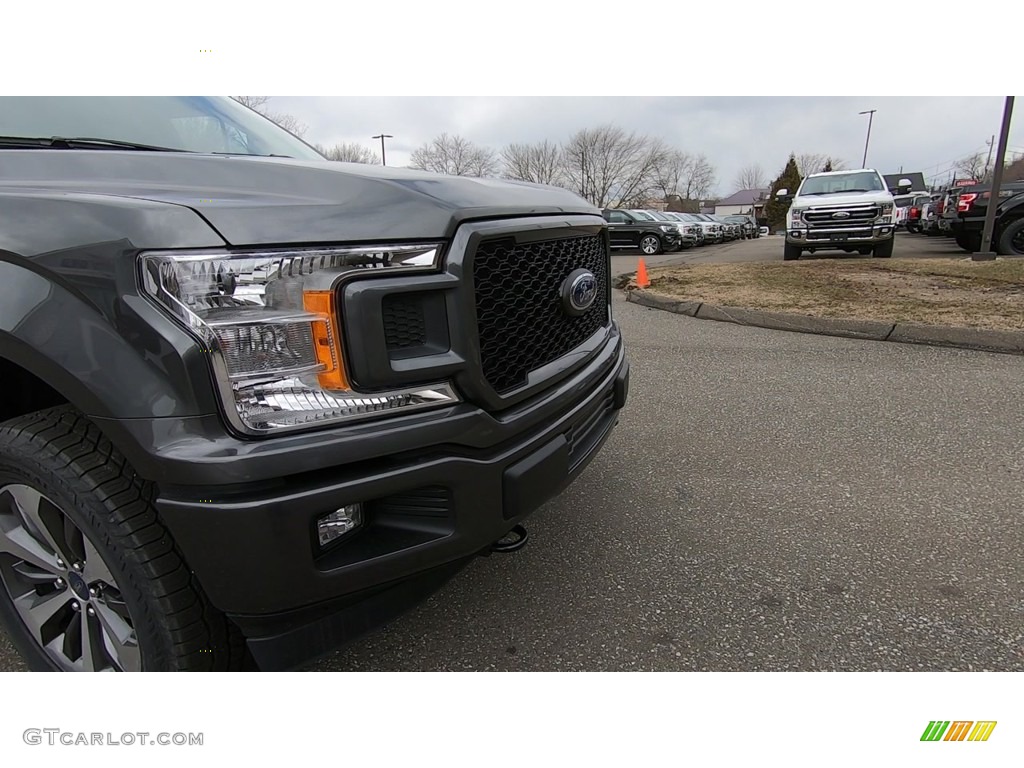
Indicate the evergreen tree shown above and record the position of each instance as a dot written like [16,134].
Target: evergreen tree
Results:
[828,166]
[775,210]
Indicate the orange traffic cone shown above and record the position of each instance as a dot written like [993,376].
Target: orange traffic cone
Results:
[642,280]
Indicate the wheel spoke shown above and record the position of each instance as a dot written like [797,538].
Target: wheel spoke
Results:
[17,541]
[95,569]
[42,519]
[38,611]
[92,647]
[29,573]
[119,638]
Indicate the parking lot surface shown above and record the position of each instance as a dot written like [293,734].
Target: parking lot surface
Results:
[769,248]
[769,501]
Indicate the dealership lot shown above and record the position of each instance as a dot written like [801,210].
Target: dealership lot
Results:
[769,248]
[770,501]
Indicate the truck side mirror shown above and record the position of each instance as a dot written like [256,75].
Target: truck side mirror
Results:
[782,192]
[904,186]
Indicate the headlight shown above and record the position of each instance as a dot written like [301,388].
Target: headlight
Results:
[667,228]
[886,209]
[270,323]
[796,215]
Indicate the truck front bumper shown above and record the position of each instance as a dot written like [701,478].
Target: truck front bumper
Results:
[427,513]
[837,237]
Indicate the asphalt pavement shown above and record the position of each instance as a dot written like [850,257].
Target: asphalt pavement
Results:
[769,501]
[770,247]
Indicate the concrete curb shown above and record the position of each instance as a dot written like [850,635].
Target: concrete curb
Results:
[1007,342]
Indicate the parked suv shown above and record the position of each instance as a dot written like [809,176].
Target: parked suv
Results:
[639,229]
[256,403]
[845,210]
[687,239]
[748,226]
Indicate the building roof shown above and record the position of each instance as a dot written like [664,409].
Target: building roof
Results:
[744,197]
[892,180]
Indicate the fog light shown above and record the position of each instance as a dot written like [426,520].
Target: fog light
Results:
[333,526]
[885,230]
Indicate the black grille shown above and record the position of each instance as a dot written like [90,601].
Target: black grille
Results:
[519,311]
[403,322]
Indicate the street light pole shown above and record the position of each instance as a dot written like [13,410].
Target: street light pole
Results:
[985,252]
[383,158]
[871,116]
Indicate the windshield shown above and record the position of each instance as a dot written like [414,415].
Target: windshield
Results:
[859,181]
[186,123]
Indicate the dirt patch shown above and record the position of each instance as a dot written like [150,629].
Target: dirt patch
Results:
[957,292]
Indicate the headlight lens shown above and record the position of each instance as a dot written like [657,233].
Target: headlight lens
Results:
[796,214]
[887,209]
[270,322]
[667,228]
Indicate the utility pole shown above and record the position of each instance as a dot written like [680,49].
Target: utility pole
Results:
[383,157]
[985,252]
[871,116]
[991,144]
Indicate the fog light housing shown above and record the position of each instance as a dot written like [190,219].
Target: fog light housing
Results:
[338,523]
[885,230]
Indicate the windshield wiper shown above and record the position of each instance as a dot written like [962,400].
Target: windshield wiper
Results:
[73,142]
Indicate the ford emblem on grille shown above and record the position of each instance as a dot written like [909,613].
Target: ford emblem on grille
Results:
[579,292]
[841,215]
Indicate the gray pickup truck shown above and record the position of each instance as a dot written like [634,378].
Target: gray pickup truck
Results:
[256,403]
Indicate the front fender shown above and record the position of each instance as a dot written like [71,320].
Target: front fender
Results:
[58,335]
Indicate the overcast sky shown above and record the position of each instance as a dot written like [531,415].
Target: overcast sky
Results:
[917,133]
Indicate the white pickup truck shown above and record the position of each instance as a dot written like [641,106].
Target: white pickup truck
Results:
[852,211]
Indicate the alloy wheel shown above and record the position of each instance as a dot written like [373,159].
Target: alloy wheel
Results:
[61,588]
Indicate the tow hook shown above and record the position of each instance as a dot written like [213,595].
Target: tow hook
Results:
[512,541]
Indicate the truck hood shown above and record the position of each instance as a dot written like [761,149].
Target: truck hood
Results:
[266,201]
[846,198]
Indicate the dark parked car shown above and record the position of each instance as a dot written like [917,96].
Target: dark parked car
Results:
[971,208]
[748,227]
[1008,232]
[256,403]
[687,238]
[639,229]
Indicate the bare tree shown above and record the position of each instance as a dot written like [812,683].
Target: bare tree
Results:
[606,164]
[260,104]
[253,102]
[698,178]
[972,167]
[539,163]
[834,164]
[751,177]
[668,176]
[349,152]
[811,162]
[455,155]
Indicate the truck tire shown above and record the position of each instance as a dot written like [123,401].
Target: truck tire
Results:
[791,252]
[650,245]
[884,250]
[90,579]
[1011,239]
[969,241]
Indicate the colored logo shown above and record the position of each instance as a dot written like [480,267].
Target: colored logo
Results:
[958,730]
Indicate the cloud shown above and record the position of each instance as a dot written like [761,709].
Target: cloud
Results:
[924,134]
